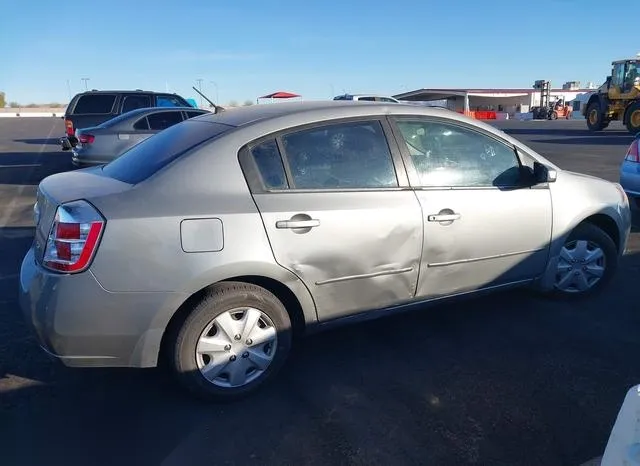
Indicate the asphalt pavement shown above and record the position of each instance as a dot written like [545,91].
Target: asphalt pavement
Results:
[507,379]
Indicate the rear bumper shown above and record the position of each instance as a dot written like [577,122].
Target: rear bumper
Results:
[82,158]
[83,325]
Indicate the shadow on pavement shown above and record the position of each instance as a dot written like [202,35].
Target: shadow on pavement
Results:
[29,168]
[40,141]
[589,140]
[504,379]
[568,132]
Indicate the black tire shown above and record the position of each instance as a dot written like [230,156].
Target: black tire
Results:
[224,297]
[554,115]
[595,235]
[595,117]
[632,117]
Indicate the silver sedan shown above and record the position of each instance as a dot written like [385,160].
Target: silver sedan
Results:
[103,143]
[210,245]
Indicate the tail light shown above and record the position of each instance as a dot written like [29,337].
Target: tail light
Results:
[86,138]
[632,152]
[68,124]
[74,237]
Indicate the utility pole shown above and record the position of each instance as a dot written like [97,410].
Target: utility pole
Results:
[85,83]
[69,90]
[199,80]
[217,98]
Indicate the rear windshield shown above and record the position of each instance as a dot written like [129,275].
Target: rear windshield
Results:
[94,104]
[146,158]
[121,117]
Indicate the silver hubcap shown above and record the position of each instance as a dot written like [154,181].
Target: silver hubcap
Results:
[236,347]
[581,266]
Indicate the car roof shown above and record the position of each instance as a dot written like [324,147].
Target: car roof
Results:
[277,116]
[329,109]
[127,91]
[124,118]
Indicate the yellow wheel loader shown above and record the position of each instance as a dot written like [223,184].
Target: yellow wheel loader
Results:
[617,99]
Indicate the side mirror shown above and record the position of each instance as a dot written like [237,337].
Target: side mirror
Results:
[544,174]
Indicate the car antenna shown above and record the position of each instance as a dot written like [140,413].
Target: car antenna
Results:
[217,109]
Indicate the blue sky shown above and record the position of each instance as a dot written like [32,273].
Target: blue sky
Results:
[317,49]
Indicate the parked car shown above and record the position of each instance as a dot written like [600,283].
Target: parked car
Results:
[103,143]
[366,97]
[630,172]
[91,108]
[212,243]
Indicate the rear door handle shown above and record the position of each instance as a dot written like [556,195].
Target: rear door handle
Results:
[298,223]
[443,217]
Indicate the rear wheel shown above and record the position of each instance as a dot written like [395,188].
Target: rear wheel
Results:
[554,115]
[233,341]
[588,260]
[595,117]
[633,118]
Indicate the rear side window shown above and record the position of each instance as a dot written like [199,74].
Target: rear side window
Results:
[194,114]
[269,163]
[141,124]
[132,102]
[154,153]
[94,104]
[170,101]
[163,120]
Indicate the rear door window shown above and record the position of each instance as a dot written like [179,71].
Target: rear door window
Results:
[94,104]
[163,120]
[338,156]
[146,158]
[134,101]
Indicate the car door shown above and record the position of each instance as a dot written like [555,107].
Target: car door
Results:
[338,214]
[485,225]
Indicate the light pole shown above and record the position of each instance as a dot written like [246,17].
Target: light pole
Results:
[85,82]
[199,81]
[217,98]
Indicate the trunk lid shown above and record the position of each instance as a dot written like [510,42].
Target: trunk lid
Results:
[57,189]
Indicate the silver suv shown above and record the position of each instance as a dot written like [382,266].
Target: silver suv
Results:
[212,243]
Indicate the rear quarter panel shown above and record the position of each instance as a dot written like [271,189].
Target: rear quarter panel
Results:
[141,248]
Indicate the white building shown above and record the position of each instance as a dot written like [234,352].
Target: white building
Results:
[500,100]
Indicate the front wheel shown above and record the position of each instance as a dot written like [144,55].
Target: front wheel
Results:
[588,260]
[232,342]
[554,115]
[595,117]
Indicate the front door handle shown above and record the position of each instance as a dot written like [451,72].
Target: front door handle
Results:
[443,217]
[311,223]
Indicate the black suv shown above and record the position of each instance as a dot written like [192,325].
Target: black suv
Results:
[93,107]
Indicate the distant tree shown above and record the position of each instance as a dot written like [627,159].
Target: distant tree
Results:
[14,105]
[55,105]
[248,103]
[2,100]
[233,103]
[31,105]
